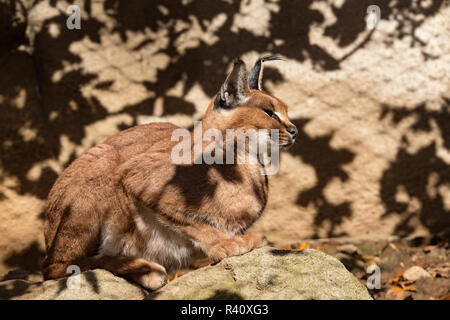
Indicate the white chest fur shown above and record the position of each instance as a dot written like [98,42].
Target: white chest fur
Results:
[157,242]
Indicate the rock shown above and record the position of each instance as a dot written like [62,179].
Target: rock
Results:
[264,273]
[415,273]
[268,273]
[94,285]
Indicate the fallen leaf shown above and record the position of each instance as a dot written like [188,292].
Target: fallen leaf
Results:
[302,246]
[397,278]
[407,287]
[396,292]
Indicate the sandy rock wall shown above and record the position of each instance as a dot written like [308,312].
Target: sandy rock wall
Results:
[372,106]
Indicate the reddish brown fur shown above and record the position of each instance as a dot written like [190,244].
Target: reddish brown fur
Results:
[124,201]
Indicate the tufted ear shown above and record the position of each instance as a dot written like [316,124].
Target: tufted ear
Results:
[255,75]
[235,87]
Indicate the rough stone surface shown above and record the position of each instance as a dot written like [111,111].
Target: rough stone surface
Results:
[94,285]
[415,273]
[264,273]
[269,273]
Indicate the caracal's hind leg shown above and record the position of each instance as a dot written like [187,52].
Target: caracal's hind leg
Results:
[73,238]
[150,275]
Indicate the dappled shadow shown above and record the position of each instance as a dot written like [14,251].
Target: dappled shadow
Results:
[217,295]
[92,281]
[27,259]
[283,252]
[17,287]
[419,174]
[53,78]
[13,288]
[194,184]
[24,140]
[88,278]
[65,110]
[12,24]
[225,295]
[327,163]
[423,118]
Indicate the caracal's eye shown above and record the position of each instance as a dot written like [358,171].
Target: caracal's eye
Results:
[271,114]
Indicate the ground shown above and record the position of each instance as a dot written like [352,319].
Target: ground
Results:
[394,256]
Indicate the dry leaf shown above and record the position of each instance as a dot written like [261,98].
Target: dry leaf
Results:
[406,287]
[396,292]
[396,279]
[405,283]
[302,246]
[399,278]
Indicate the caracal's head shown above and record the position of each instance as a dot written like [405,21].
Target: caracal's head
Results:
[241,104]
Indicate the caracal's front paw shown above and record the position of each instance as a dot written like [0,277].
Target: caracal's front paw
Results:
[152,280]
[236,246]
[255,240]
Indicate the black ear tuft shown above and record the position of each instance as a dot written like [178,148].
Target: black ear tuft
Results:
[255,75]
[237,61]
